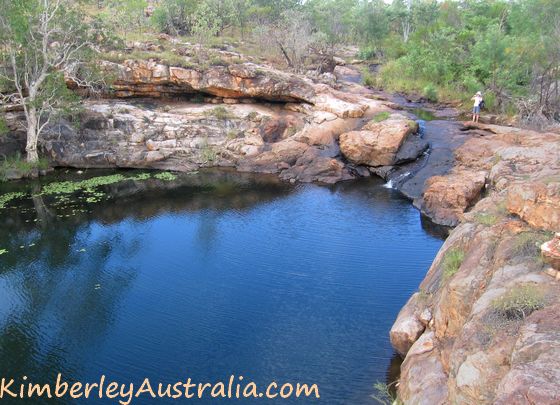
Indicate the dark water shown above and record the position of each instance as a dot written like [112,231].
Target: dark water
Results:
[207,276]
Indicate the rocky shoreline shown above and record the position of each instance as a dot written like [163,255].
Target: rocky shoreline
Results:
[498,186]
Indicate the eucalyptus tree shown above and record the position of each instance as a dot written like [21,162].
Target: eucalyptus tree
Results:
[43,43]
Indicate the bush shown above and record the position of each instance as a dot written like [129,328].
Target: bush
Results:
[22,166]
[220,113]
[527,244]
[174,17]
[367,53]
[367,78]
[452,262]
[3,127]
[519,302]
[430,92]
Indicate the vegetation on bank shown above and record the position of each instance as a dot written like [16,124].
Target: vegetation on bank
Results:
[20,167]
[445,50]
[452,261]
[442,50]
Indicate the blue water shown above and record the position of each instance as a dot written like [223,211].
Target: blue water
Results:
[208,276]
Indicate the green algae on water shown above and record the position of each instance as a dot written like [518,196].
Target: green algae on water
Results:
[166,176]
[6,198]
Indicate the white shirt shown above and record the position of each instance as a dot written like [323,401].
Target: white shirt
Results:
[477,100]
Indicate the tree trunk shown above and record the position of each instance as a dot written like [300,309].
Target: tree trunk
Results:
[32,135]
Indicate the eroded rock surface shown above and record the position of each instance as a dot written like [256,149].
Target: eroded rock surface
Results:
[483,345]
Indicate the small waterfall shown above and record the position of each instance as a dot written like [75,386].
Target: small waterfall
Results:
[392,182]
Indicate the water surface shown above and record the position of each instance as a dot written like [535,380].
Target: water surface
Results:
[206,276]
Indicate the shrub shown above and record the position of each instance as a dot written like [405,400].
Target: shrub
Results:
[220,113]
[367,53]
[367,78]
[430,92]
[527,244]
[385,394]
[20,165]
[452,262]
[208,154]
[519,302]
[3,127]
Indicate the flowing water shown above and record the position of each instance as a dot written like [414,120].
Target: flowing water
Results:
[205,276]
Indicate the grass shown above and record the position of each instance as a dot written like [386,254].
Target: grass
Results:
[486,219]
[382,116]
[208,154]
[165,57]
[220,113]
[232,134]
[519,302]
[452,262]
[527,244]
[368,79]
[20,165]
[385,394]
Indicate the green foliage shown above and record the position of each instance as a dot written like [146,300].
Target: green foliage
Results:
[430,92]
[175,17]
[484,218]
[527,244]
[519,302]
[367,78]
[6,198]
[382,116]
[165,176]
[208,154]
[3,127]
[21,166]
[385,394]
[452,262]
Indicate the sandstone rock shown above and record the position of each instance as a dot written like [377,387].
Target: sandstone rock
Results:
[534,374]
[536,203]
[378,144]
[152,79]
[423,379]
[551,252]
[407,328]
[447,197]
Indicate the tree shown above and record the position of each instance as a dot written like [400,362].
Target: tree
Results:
[39,41]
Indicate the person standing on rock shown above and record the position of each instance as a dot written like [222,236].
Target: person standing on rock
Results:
[478,100]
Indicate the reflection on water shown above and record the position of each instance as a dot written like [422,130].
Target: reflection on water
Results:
[210,275]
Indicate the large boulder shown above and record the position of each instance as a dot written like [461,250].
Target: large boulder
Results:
[408,327]
[378,143]
[537,203]
[446,198]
